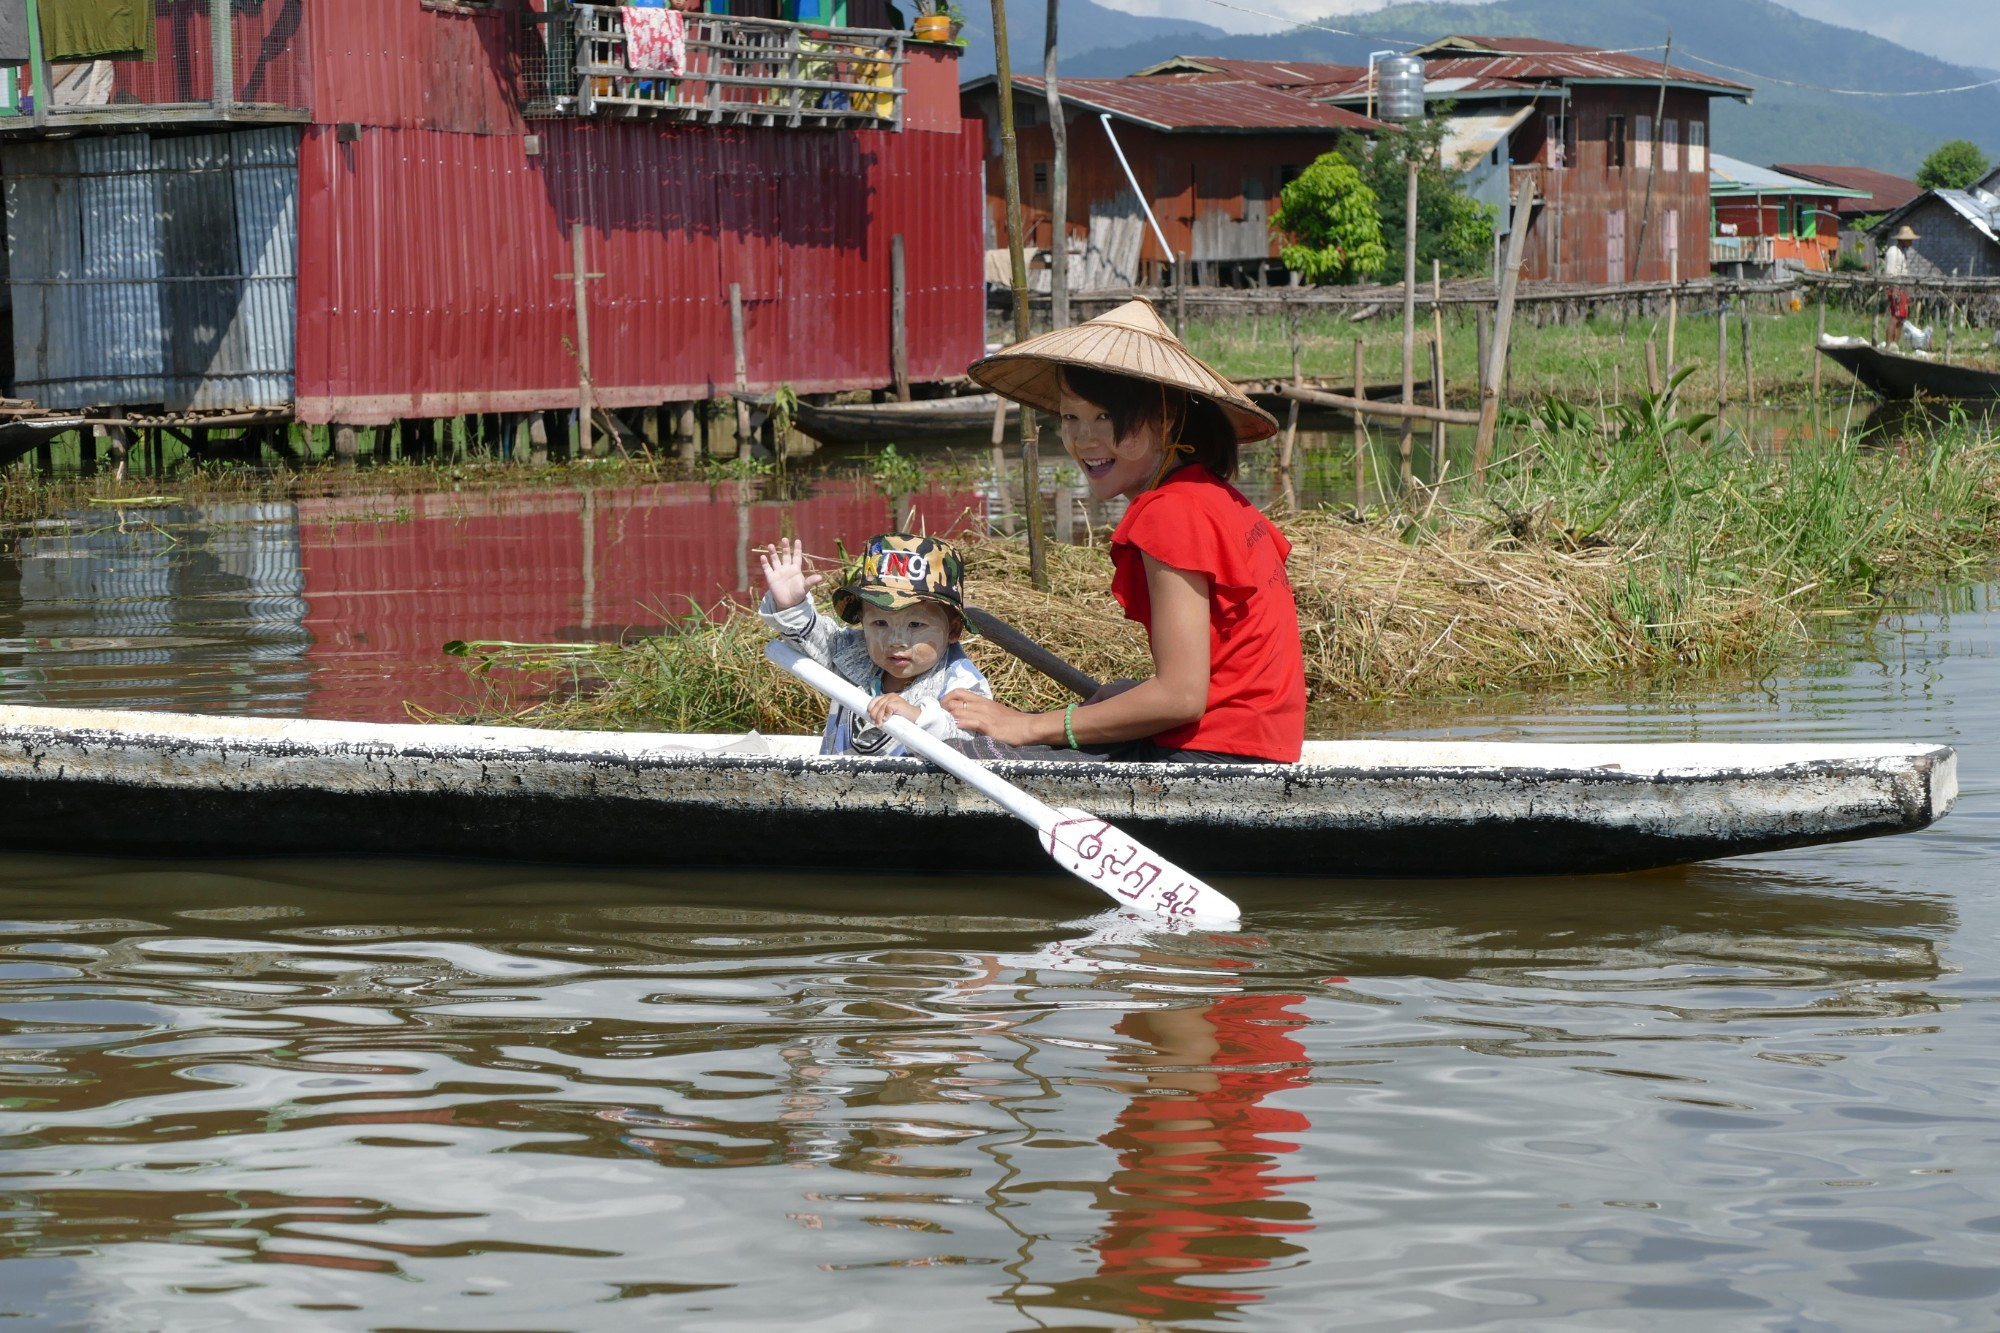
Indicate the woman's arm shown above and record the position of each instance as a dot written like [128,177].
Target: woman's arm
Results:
[1175,696]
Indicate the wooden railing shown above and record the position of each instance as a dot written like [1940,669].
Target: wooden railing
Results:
[1742,250]
[743,71]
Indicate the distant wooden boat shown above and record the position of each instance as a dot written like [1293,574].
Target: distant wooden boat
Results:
[163,784]
[965,414]
[25,434]
[1894,375]
[896,423]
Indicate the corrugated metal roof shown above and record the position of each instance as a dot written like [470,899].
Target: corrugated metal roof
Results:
[1269,73]
[1457,85]
[1537,60]
[1881,190]
[1477,134]
[1979,208]
[1732,176]
[1221,108]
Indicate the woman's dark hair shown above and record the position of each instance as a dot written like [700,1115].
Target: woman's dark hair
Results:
[1132,402]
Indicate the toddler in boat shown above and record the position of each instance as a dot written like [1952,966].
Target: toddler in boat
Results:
[906,601]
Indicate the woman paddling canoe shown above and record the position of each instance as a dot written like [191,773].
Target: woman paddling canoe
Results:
[1193,560]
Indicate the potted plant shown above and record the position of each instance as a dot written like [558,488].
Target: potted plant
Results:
[937,21]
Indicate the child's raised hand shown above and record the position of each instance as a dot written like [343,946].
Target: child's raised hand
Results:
[885,706]
[785,573]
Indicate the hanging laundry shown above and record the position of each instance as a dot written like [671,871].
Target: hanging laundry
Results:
[655,40]
[92,29]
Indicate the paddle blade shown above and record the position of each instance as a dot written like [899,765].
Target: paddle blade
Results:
[1115,863]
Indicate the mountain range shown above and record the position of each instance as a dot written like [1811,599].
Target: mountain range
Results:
[1792,61]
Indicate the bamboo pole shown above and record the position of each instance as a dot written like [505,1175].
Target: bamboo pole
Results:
[1409,313]
[581,280]
[1437,368]
[1503,322]
[1673,306]
[1360,431]
[1722,355]
[1059,182]
[1010,170]
[1031,471]
[1362,406]
[1180,295]
[1292,409]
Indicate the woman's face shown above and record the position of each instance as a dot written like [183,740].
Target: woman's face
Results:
[1110,466]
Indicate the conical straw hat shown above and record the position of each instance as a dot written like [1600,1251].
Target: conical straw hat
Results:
[1130,340]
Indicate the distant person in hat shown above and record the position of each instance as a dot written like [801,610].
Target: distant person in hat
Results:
[1192,560]
[907,604]
[1896,264]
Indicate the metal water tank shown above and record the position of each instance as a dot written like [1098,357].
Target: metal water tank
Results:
[1399,82]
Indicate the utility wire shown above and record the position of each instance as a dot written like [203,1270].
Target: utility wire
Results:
[1844,92]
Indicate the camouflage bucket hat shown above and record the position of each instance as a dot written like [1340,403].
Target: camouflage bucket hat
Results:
[899,570]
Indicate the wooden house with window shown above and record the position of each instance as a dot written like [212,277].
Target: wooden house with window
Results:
[1767,220]
[1958,231]
[1158,168]
[368,210]
[1616,144]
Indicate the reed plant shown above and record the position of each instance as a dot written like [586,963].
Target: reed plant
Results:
[1634,543]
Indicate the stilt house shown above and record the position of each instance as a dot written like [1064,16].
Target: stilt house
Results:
[1158,169]
[357,211]
[1617,145]
[1766,219]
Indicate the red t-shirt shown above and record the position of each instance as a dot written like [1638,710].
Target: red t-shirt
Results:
[1256,670]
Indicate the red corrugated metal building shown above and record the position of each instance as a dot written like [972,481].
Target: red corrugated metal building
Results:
[444,152]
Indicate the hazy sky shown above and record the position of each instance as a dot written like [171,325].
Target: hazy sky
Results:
[1964,32]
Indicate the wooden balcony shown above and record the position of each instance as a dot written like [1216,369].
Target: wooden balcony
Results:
[1742,250]
[214,63]
[724,71]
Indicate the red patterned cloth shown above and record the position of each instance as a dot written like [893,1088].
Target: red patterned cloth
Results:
[655,41]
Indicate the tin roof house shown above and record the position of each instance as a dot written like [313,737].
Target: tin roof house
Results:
[1616,144]
[371,210]
[1958,231]
[1766,219]
[1159,168]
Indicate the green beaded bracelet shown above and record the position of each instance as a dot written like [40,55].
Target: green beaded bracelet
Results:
[1069,725]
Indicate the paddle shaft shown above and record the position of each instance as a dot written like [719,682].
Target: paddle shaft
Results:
[1085,845]
[1076,681]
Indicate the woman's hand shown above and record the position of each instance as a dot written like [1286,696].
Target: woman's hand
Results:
[785,573]
[885,706]
[988,717]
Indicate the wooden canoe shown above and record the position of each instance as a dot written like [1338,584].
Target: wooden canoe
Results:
[897,423]
[162,784]
[1894,375]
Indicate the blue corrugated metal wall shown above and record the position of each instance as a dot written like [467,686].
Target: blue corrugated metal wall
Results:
[154,270]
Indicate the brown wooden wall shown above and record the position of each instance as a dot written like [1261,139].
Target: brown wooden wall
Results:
[1587,202]
[1212,193]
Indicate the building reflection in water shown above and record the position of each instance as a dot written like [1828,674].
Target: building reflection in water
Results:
[339,607]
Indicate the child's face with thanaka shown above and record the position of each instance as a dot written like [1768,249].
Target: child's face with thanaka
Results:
[908,642]
[1111,467]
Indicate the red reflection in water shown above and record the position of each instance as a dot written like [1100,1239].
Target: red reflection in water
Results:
[1196,1192]
[390,579]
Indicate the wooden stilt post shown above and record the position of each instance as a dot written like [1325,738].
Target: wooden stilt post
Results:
[1749,367]
[1503,323]
[899,337]
[1673,303]
[742,386]
[1409,314]
[1722,355]
[1000,489]
[580,279]
[346,444]
[1819,336]
[1438,437]
[1180,296]
[538,439]
[1058,179]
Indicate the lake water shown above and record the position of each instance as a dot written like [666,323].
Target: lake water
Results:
[1756,1094]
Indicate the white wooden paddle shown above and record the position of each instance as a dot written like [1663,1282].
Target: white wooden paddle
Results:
[1081,843]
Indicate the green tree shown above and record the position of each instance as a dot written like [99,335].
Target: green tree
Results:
[1331,222]
[1455,231]
[1953,165]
